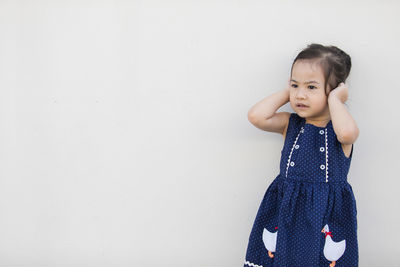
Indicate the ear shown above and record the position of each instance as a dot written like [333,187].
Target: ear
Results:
[328,90]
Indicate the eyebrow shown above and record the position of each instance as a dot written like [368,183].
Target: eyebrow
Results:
[305,82]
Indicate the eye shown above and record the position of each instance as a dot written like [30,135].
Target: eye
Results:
[312,86]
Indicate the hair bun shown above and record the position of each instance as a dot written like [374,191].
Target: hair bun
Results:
[344,57]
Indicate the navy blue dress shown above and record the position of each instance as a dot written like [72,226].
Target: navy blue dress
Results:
[308,215]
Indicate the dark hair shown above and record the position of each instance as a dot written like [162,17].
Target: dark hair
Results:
[335,63]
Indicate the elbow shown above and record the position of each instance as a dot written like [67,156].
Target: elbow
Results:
[252,117]
[348,137]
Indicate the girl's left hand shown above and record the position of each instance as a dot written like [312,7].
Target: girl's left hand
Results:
[340,92]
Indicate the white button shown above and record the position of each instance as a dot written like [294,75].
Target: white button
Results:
[321,149]
[321,131]
[302,130]
[292,163]
[296,146]
[322,167]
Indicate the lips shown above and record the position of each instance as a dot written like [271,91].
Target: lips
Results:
[301,105]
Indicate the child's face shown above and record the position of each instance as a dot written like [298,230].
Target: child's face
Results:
[311,94]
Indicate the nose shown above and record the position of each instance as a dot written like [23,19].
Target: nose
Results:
[300,93]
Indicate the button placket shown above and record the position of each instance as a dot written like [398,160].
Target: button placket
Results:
[326,155]
[289,162]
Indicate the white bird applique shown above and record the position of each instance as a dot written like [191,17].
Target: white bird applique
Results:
[269,240]
[332,250]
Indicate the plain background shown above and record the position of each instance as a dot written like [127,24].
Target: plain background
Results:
[124,138]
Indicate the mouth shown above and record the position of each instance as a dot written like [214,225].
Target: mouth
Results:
[301,106]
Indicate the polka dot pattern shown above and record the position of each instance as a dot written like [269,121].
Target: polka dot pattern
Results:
[309,208]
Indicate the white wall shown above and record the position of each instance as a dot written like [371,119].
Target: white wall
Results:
[124,138]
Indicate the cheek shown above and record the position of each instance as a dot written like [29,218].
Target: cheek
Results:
[292,98]
[320,102]
[292,94]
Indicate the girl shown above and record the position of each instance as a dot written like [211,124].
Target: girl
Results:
[307,217]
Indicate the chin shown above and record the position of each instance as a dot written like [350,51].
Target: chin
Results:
[300,112]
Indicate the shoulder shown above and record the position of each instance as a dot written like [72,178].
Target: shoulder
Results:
[345,148]
[294,116]
[347,143]
[293,121]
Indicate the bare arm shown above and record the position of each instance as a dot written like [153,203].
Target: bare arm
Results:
[343,123]
[263,116]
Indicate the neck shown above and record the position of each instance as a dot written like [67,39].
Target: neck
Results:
[319,123]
